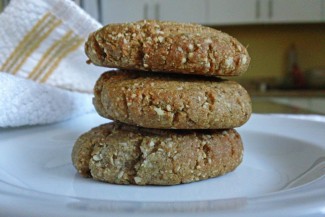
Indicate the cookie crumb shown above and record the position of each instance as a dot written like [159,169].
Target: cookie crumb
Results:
[137,179]
[159,111]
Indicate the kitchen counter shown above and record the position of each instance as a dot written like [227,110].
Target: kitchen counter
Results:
[288,101]
[264,106]
[287,93]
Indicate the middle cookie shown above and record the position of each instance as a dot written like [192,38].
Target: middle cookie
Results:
[173,101]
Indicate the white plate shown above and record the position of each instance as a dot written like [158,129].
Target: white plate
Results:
[282,174]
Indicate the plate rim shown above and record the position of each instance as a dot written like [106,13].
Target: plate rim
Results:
[292,194]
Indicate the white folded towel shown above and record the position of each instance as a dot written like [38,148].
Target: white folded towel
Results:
[25,102]
[43,72]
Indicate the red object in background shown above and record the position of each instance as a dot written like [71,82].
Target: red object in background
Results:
[297,77]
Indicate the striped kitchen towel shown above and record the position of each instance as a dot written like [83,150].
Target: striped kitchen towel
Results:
[43,72]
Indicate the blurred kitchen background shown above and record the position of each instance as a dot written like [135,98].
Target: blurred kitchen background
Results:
[285,39]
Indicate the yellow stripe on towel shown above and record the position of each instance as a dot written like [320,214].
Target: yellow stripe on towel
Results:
[23,43]
[75,43]
[30,42]
[49,55]
[35,45]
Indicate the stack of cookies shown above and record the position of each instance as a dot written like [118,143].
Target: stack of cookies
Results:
[173,114]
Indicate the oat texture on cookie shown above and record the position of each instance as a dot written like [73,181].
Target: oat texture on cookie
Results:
[125,154]
[167,47]
[170,101]
[173,111]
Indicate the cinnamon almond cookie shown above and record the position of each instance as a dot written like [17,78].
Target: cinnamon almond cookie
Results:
[123,154]
[167,47]
[157,100]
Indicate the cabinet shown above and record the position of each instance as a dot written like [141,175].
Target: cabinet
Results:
[116,11]
[294,11]
[212,12]
[181,10]
[233,11]
[92,8]
[264,11]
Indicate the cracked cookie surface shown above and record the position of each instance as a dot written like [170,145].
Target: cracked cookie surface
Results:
[158,100]
[152,45]
[124,154]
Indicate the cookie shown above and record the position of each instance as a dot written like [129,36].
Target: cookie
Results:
[158,100]
[124,154]
[167,47]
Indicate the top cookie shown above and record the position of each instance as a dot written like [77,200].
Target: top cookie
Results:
[163,46]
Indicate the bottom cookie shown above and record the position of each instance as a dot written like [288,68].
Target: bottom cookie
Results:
[123,154]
